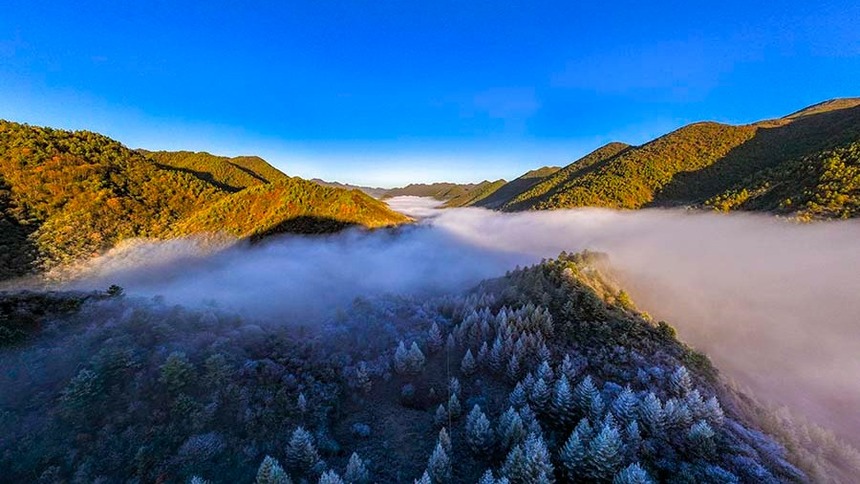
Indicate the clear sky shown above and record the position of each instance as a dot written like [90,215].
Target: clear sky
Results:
[385,92]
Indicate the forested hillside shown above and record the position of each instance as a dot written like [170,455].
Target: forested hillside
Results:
[231,174]
[804,165]
[440,191]
[549,374]
[65,196]
[514,188]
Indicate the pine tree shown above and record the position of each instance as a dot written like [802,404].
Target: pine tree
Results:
[713,411]
[196,479]
[439,465]
[701,439]
[441,417]
[424,479]
[445,440]
[301,454]
[572,457]
[514,468]
[624,405]
[454,408]
[584,394]
[513,368]
[633,440]
[401,359]
[676,415]
[450,343]
[633,474]
[356,471]
[483,353]
[467,366]
[271,472]
[479,433]
[518,396]
[454,386]
[563,406]
[545,371]
[538,465]
[415,359]
[511,429]
[651,414]
[497,357]
[597,407]
[302,403]
[680,382]
[487,478]
[539,396]
[605,454]
[330,477]
[434,338]
[530,420]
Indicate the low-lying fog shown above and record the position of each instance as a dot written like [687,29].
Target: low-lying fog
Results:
[775,304]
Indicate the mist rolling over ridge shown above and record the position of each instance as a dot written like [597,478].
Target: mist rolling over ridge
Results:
[772,302]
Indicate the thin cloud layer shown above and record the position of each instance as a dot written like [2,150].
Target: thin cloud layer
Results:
[773,303]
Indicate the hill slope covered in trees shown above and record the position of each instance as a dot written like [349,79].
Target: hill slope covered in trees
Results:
[804,164]
[65,196]
[549,374]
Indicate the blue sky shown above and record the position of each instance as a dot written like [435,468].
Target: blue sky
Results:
[387,92]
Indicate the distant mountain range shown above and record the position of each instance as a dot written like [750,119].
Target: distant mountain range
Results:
[65,196]
[806,165]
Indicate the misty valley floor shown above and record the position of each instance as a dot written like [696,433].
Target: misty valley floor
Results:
[421,354]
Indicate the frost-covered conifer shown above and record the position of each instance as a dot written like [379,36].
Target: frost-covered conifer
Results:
[701,439]
[573,457]
[467,366]
[454,387]
[597,407]
[401,359]
[624,406]
[330,477]
[651,414]
[563,407]
[356,471]
[514,468]
[479,433]
[633,474]
[424,479]
[450,343]
[511,429]
[545,371]
[415,359]
[302,403]
[530,420]
[482,355]
[605,454]
[441,417]
[538,465]
[713,411]
[539,396]
[439,465]
[513,368]
[632,440]
[676,415]
[696,404]
[271,472]
[197,480]
[454,408]
[496,358]
[518,396]
[301,454]
[584,394]
[680,382]
[445,440]
[434,338]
